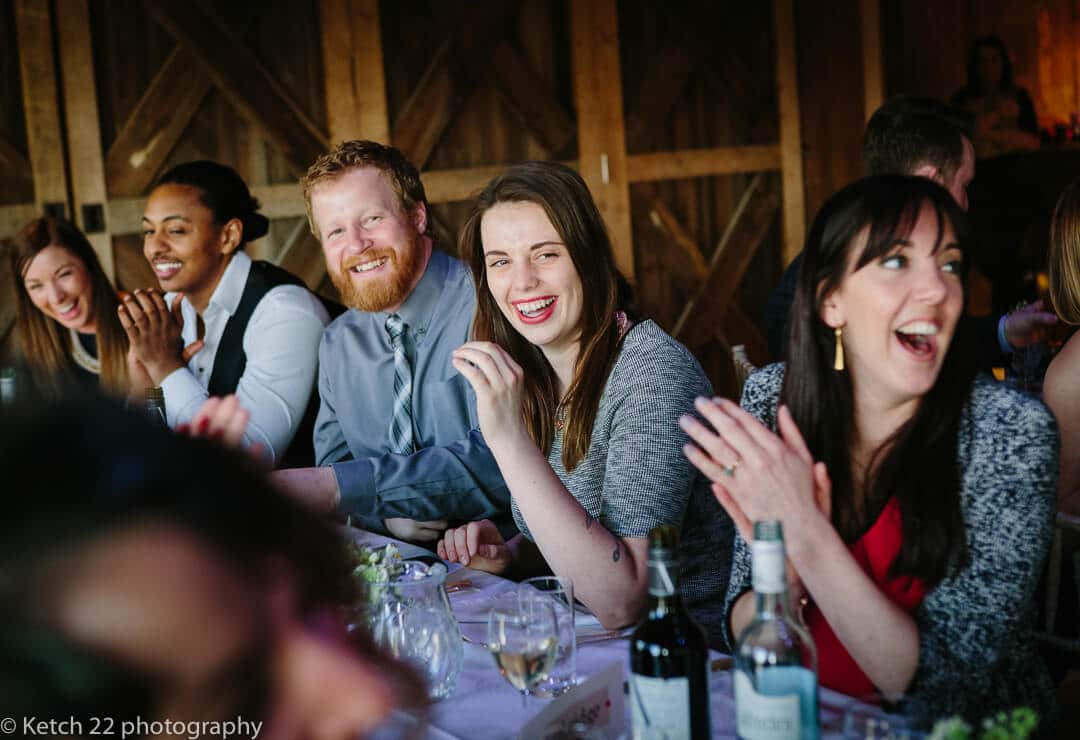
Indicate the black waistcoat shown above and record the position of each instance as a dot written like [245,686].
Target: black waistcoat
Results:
[230,360]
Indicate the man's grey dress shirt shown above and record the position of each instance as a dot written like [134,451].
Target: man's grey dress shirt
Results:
[453,474]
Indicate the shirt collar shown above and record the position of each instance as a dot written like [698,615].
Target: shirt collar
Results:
[419,308]
[230,289]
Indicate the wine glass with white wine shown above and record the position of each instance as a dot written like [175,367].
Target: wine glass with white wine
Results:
[523,638]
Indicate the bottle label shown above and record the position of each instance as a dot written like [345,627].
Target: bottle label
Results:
[768,567]
[762,717]
[663,576]
[660,706]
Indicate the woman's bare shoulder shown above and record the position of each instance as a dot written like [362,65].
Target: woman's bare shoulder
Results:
[1062,381]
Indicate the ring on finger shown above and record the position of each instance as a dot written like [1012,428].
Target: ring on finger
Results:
[729,470]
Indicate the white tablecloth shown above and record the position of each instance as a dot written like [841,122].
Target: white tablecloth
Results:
[485,707]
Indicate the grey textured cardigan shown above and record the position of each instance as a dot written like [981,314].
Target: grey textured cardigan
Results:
[977,653]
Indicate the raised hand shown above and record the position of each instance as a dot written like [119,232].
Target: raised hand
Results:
[477,545]
[153,331]
[758,474]
[138,377]
[220,417]
[497,382]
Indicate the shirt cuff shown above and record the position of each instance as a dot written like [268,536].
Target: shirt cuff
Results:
[180,387]
[1003,343]
[356,482]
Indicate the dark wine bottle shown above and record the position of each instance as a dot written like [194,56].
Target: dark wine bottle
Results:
[669,654]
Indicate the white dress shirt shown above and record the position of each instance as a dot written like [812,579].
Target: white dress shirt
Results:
[281,342]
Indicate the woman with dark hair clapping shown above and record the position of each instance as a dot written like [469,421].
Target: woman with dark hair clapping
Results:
[250,328]
[917,500]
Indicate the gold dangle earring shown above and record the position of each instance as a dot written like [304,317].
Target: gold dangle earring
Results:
[838,363]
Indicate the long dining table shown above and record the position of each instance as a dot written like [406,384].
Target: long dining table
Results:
[483,705]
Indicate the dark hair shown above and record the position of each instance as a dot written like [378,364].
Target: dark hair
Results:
[908,132]
[224,192]
[917,464]
[351,155]
[118,471]
[974,84]
[45,344]
[565,198]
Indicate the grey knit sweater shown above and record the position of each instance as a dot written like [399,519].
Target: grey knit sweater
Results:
[635,476]
[977,654]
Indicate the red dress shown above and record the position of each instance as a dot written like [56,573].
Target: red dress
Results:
[875,552]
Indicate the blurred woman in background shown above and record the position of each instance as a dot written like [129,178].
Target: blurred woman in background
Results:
[1004,114]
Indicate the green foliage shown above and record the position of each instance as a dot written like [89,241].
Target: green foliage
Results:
[1019,724]
[376,565]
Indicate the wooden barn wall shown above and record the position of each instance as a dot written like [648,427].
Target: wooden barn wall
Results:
[719,63]
[482,131]
[16,185]
[928,43]
[130,48]
[830,96]
[717,59]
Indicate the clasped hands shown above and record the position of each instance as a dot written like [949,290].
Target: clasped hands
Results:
[153,329]
[477,545]
[757,474]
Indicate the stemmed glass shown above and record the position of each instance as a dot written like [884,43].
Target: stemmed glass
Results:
[523,638]
[887,717]
[562,676]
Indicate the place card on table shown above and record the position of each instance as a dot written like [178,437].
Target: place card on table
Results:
[597,704]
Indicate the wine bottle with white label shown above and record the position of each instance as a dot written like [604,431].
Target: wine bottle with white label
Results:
[669,654]
[775,660]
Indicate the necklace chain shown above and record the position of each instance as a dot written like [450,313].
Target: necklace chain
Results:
[82,358]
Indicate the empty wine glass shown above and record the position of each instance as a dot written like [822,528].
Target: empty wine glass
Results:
[887,717]
[523,638]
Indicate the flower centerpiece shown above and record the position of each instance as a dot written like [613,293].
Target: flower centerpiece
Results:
[405,609]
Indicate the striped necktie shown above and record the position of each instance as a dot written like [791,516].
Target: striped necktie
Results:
[401,424]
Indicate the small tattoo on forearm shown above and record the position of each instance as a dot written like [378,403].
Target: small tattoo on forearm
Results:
[589,520]
[617,554]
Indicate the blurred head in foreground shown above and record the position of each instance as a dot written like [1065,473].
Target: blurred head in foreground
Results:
[143,574]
